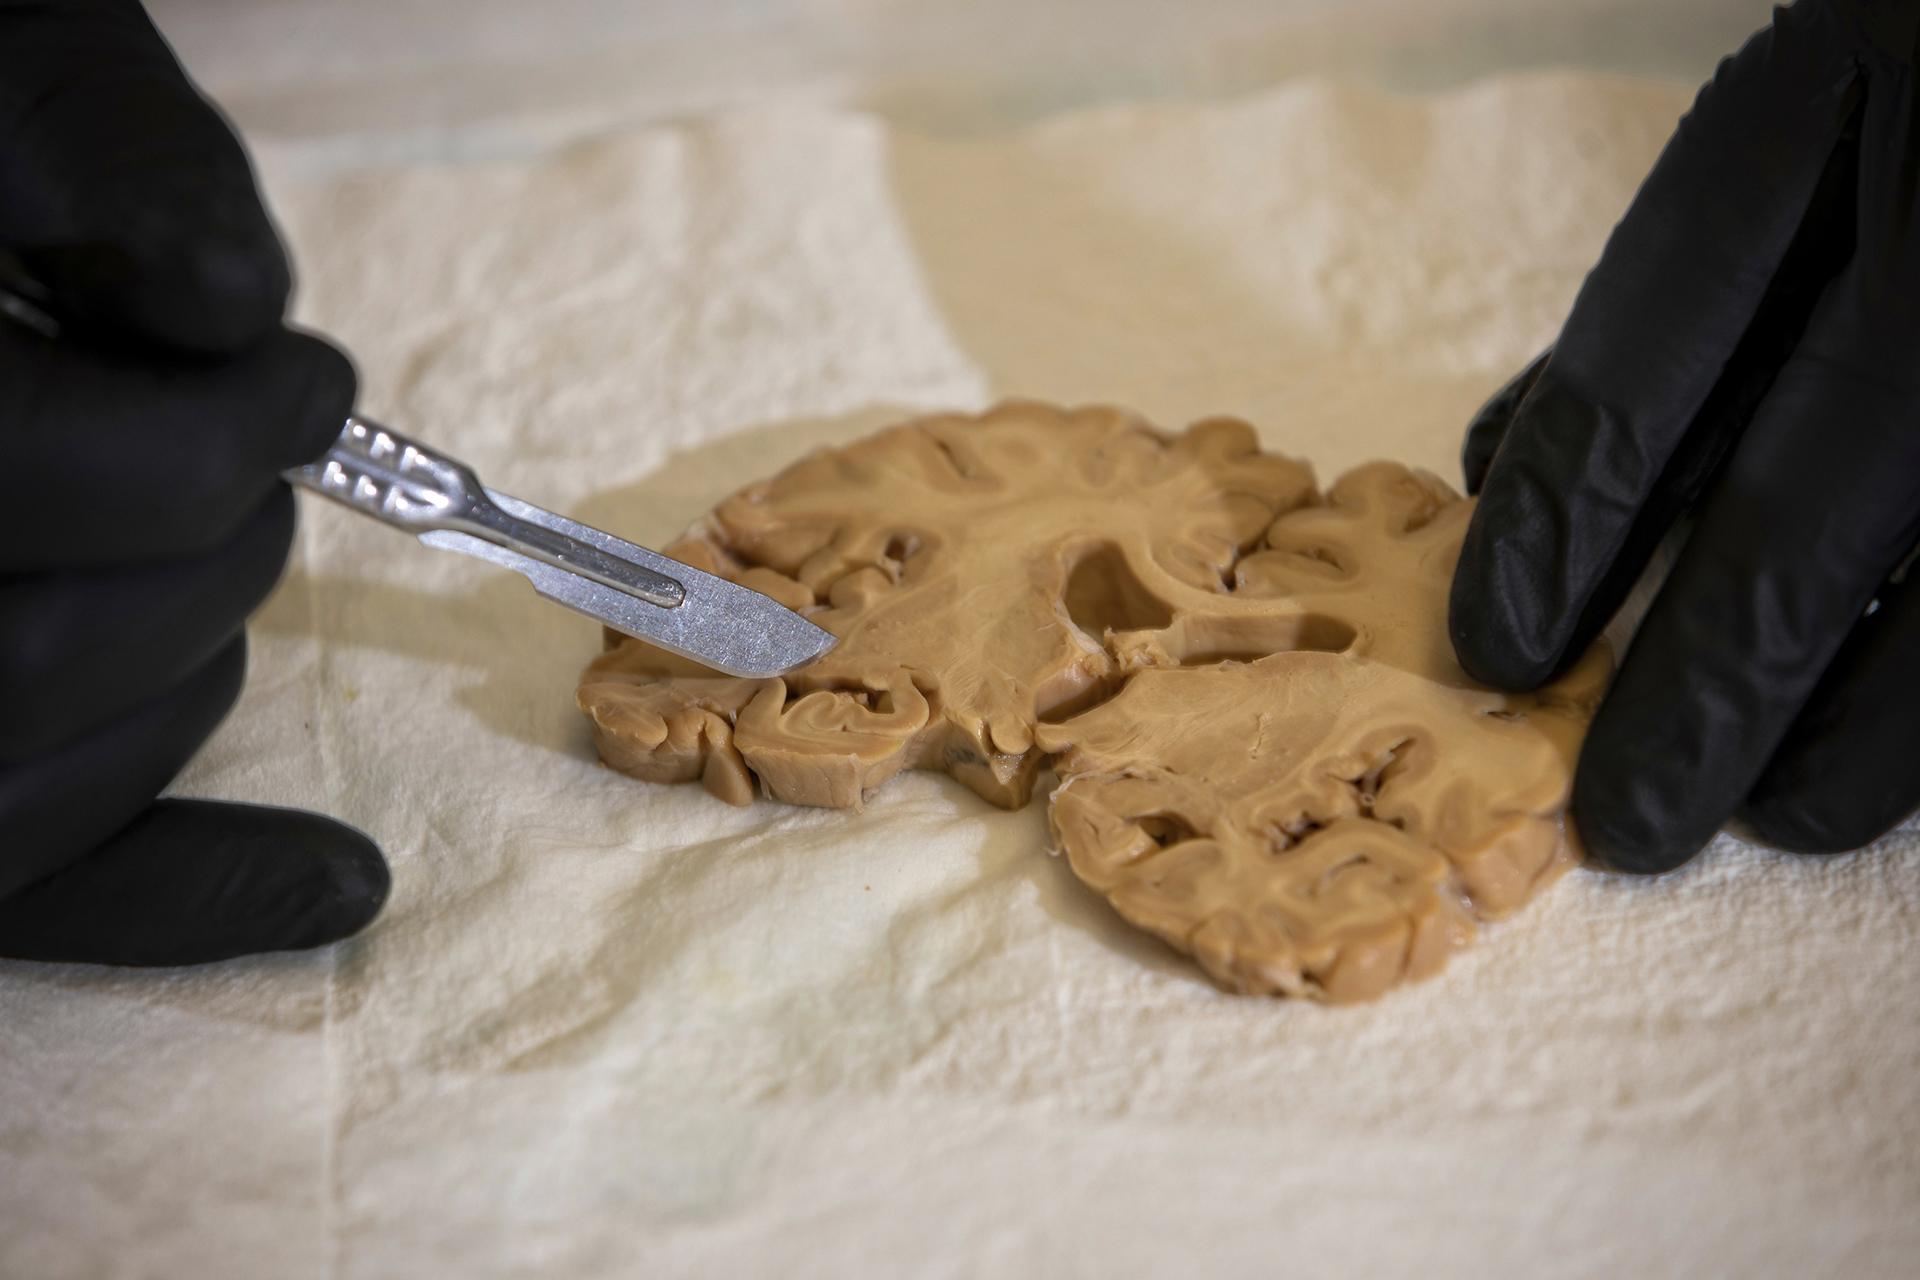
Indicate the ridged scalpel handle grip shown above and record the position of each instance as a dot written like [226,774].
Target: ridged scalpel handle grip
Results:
[384,474]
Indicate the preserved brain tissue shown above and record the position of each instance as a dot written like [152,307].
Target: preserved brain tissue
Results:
[1265,752]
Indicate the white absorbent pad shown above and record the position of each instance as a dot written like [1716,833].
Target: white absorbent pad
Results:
[611,1029]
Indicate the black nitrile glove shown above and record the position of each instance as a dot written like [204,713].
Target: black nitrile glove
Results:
[1746,353]
[142,516]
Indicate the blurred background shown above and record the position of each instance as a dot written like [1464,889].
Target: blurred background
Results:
[442,74]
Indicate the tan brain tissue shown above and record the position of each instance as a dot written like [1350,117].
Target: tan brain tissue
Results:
[1266,754]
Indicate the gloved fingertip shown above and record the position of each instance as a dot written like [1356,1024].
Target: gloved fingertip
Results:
[204,267]
[1487,639]
[227,294]
[194,881]
[323,385]
[1631,859]
[287,400]
[202,289]
[271,879]
[1493,420]
[1616,829]
[1477,451]
[1791,825]
[351,876]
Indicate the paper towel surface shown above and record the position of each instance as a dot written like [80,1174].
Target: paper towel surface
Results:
[611,1029]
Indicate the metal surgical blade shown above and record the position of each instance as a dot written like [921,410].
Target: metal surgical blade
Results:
[383,474]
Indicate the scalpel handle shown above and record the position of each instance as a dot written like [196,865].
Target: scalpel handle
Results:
[383,474]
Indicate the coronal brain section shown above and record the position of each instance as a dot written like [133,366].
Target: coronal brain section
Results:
[1266,754]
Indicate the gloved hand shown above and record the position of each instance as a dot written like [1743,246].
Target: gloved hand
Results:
[1745,356]
[141,512]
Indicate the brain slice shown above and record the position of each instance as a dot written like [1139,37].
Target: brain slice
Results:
[972,568]
[1267,754]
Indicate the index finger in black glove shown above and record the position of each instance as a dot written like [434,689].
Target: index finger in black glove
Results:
[120,457]
[190,881]
[1845,772]
[1490,425]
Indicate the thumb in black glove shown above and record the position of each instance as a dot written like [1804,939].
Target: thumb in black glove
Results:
[1746,352]
[142,517]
